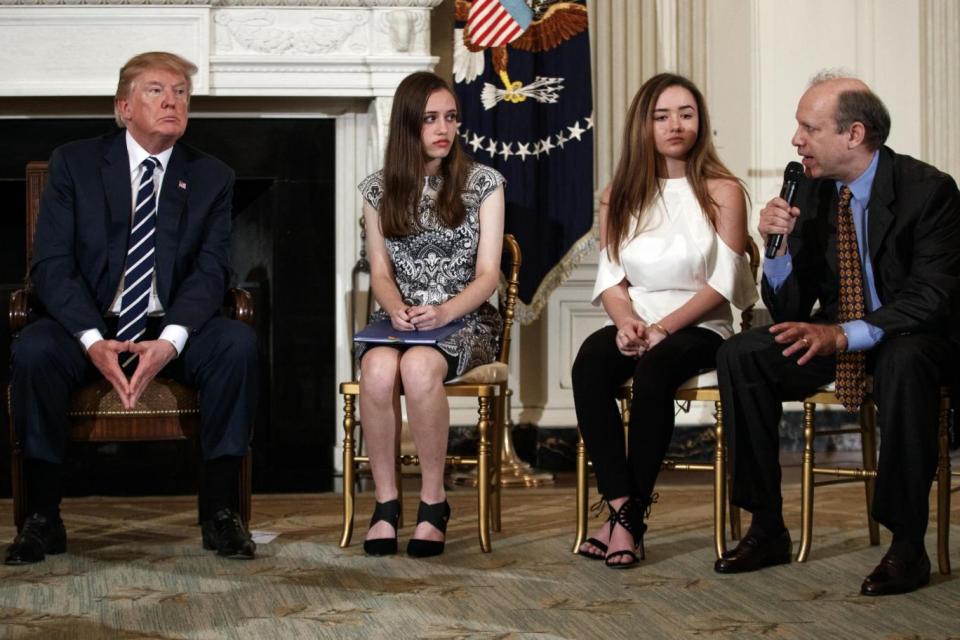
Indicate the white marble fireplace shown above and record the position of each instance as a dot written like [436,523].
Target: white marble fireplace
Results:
[339,59]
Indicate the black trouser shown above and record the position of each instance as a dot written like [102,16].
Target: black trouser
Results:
[600,369]
[48,364]
[907,371]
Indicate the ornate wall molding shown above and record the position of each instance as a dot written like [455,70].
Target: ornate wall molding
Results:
[42,46]
[342,48]
[308,33]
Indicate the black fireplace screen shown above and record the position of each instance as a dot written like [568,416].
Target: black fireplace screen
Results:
[283,253]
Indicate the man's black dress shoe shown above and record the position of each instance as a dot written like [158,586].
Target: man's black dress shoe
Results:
[753,553]
[225,534]
[902,570]
[39,536]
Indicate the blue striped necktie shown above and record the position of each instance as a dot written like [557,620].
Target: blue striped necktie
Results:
[141,259]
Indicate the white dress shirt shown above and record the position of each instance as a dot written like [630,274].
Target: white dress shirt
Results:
[173,333]
[674,255]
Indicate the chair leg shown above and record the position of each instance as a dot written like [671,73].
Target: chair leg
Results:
[734,510]
[500,428]
[246,488]
[868,439]
[719,485]
[943,489]
[483,473]
[806,483]
[349,423]
[582,493]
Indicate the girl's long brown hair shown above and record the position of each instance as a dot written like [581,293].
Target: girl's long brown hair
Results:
[403,168]
[636,181]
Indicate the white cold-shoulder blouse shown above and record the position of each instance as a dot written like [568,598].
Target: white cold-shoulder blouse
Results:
[672,256]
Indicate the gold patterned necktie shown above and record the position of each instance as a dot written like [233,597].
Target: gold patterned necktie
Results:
[851,369]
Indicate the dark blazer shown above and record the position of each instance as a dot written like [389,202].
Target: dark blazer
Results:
[913,231]
[84,223]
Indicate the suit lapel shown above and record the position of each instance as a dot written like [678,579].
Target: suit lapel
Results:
[880,217]
[173,200]
[116,185]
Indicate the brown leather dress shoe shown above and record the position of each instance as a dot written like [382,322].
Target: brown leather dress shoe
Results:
[752,554]
[902,570]
[226,534]
[38,537]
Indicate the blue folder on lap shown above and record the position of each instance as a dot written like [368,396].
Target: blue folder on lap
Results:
[384,333]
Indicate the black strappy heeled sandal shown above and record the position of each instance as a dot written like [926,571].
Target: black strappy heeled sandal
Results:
[389,512]
[630,517]
[597,507]
[438,515]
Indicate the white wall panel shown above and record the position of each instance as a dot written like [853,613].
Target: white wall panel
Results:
[40,46]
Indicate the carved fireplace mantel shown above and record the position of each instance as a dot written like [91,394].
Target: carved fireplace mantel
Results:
[285,48]
[359,48]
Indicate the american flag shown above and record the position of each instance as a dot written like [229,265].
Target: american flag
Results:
[495,23]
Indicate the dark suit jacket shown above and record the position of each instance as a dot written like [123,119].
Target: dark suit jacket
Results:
[84,223]
[913,230]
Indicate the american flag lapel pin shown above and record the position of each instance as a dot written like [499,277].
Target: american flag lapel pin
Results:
[181,184]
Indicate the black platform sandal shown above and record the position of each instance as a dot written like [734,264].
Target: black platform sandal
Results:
[438,515]
[630,517]
[597,507]
[389,512]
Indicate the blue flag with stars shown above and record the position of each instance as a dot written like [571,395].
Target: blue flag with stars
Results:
[522,73]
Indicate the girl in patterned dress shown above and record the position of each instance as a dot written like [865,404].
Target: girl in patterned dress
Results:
[434,222]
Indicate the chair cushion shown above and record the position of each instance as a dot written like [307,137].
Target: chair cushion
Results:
[703,379]
[484,374]
[161,397]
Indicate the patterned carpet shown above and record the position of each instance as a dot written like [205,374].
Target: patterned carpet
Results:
[135,569]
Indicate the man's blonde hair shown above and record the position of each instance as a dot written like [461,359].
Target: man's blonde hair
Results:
[144,62]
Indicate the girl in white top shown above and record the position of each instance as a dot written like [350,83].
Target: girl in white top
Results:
[672,260]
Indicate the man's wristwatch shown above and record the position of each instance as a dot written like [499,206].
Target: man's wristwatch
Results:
[846,340]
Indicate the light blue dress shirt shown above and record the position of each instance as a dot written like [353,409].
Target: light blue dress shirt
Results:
[861,335]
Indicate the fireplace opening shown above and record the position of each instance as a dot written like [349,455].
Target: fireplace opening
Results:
[283,253]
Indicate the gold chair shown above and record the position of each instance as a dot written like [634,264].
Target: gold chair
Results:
[868,473]
[165,411]
[700,388]
[488,384]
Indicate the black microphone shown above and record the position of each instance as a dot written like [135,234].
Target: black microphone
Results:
[791,179]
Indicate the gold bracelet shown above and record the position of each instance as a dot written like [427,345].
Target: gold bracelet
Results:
[661,328]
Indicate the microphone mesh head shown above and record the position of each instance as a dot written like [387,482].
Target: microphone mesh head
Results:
[793,171]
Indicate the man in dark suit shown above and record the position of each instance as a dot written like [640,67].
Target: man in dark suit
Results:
[130,265]
[903,270]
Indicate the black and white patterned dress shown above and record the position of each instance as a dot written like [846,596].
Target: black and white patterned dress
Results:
[435,263]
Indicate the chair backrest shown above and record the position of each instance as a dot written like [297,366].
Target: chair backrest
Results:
[36,181]
[746,316]
[509,293]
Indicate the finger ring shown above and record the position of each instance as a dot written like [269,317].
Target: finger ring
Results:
[804,342]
